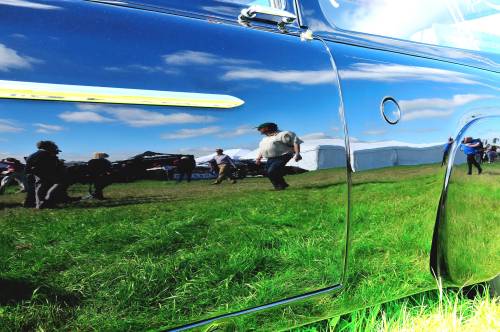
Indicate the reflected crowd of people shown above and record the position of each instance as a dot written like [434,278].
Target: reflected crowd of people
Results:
[45,178]
[477,153]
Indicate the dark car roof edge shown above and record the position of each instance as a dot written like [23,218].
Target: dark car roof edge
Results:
[346,37]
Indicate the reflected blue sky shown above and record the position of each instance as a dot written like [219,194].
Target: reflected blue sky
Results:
[487,129]
[463,23]
[297,91]
[433,96]
[280,78]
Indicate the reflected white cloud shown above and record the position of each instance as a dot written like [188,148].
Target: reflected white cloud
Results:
[171,63]
[141,118]
[47,129]
[69,156]
[456,100]
[304,77]
[141,68]
[440,52]
[7,126]
[427,113]
[402,73]
[239,131]
[18,35]
[191,133]
[220,10]
[374,132]
[436,107]
[422,130]
[28,4]
[83,117]
[10,59]
[7,154]
[317,25]
[392,17]
[186,57]
[196,151]
[464,24]
[318,135]
[136,117]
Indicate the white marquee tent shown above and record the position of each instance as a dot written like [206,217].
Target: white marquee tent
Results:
[330,153]
[316,154]
[235,154]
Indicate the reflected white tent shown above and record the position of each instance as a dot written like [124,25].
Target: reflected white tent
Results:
[235,154]
[316,154]
[330,153]
[394,153]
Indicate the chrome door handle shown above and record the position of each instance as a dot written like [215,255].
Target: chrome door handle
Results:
[283,16]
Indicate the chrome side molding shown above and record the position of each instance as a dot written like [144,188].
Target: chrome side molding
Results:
[282,16]
[107,95]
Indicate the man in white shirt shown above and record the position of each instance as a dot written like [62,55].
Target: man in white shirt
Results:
[225,165]
[278,147]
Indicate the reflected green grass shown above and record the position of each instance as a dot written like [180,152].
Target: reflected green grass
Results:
[159,254]
[391,227]
[473,211]
[432,311]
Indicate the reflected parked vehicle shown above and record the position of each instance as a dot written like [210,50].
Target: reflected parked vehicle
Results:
[376,135]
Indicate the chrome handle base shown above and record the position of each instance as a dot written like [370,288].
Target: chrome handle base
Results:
[282,17]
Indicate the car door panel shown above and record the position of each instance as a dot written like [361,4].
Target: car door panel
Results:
[414,212]
[186,253]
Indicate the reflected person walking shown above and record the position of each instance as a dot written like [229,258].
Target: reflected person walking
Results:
[43,168]
[469,147]
[225,165]
[99,169]
[279,147]
[184,167]
[446,151]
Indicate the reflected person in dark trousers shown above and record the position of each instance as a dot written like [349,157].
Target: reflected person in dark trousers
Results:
[184,167]
[470,148]
[446,150]
[279,147]
[99,169]
[30,198]
[42,168]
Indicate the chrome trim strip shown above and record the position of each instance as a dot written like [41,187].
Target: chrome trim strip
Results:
[300,20]
[255,309]
[349,164]
[95,94]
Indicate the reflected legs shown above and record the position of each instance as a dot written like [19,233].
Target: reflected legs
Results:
[276,170]
[471,160]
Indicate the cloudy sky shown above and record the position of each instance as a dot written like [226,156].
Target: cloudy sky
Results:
[279,78]
[468,24]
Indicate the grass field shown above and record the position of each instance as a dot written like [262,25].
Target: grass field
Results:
[159,254]
[432,311]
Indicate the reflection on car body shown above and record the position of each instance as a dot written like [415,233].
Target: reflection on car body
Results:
[368,142]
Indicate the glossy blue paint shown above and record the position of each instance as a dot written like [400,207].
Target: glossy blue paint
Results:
[279,77]
[328,90]
[314,18]
[190,65]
